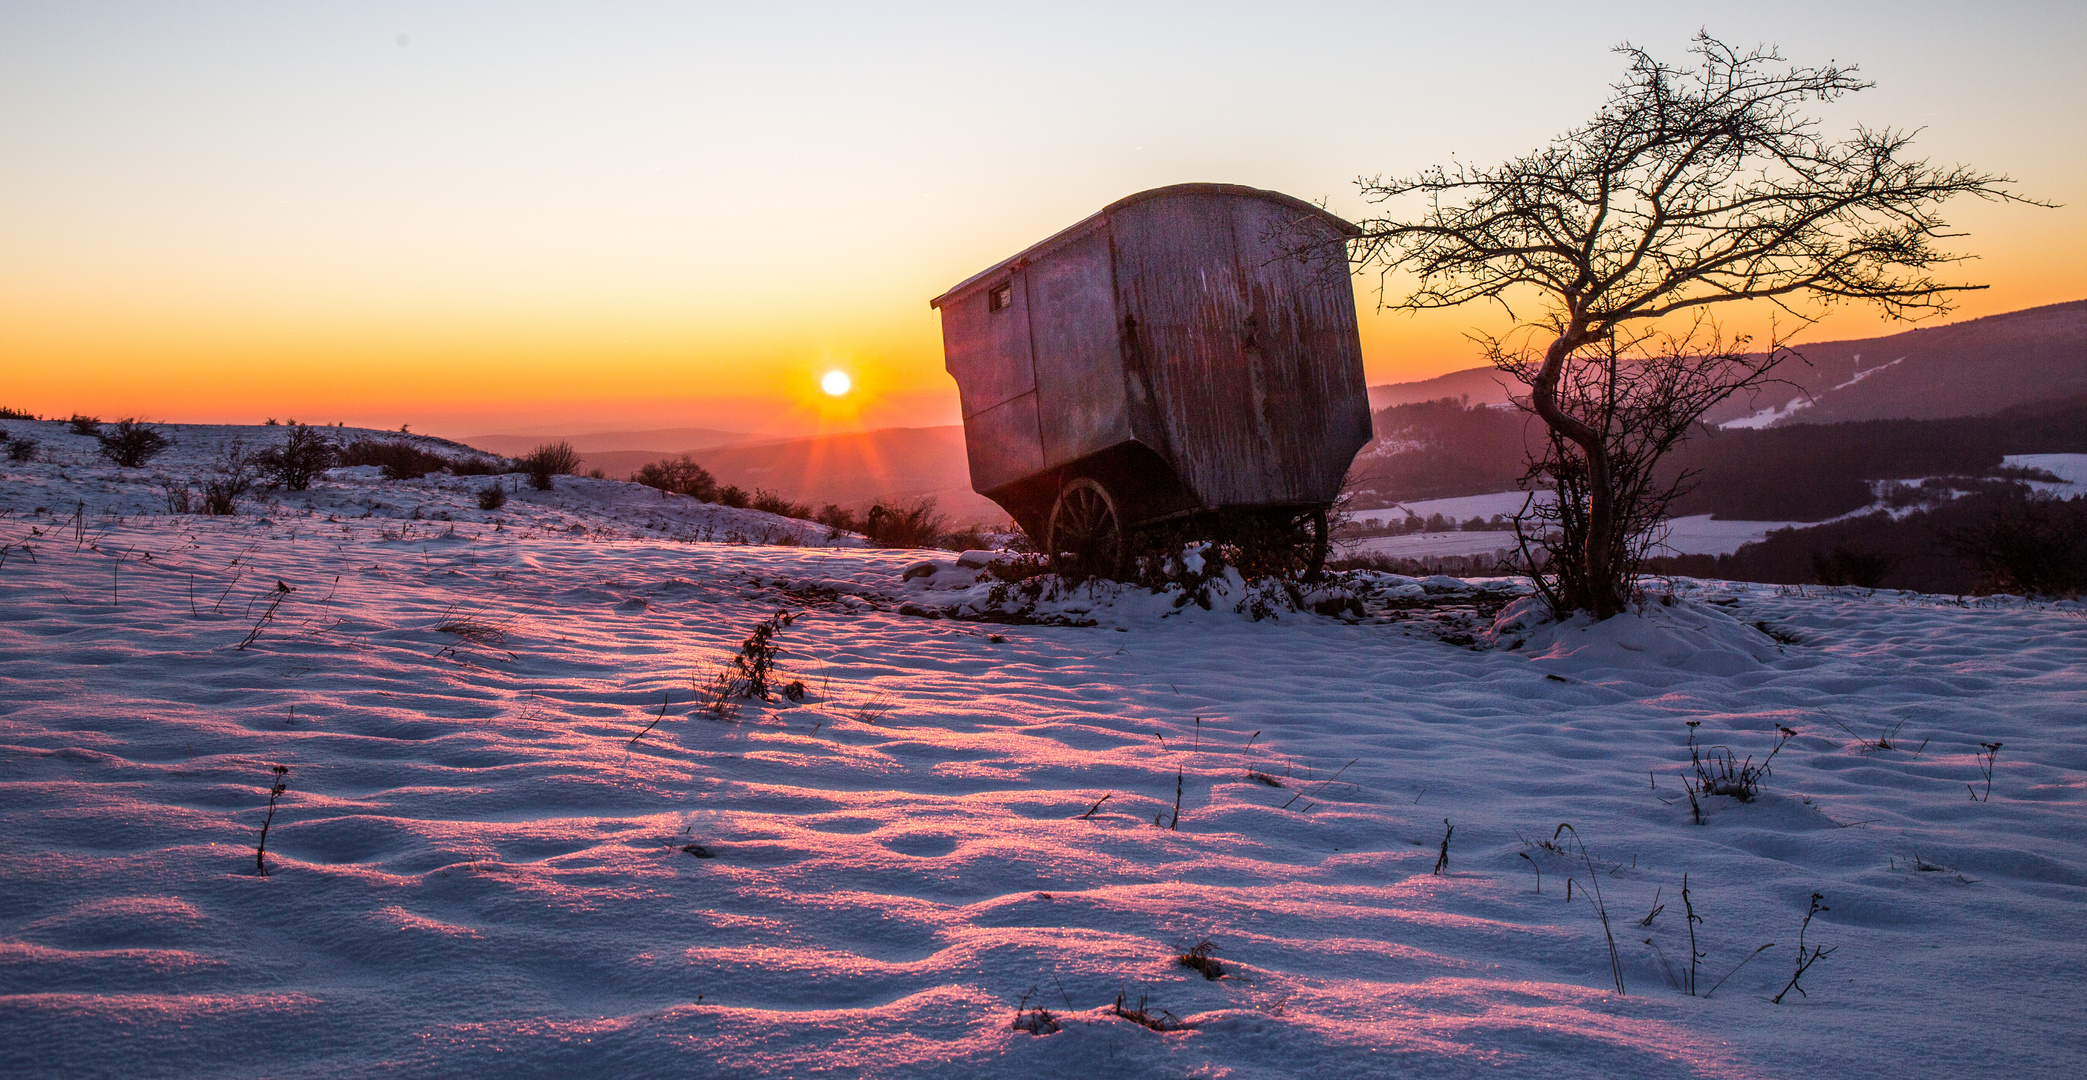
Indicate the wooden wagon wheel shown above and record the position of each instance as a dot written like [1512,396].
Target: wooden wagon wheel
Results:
[1086,532]
[1322,545]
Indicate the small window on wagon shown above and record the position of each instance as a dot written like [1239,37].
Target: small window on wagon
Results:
[1001,298]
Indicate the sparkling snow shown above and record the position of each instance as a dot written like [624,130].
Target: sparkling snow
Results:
[479,868]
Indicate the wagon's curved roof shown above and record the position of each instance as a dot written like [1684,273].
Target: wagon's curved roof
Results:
[1084,225]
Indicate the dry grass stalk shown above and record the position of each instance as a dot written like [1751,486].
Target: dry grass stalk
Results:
[282,784]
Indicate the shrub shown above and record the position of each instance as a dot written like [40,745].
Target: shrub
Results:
[479,466]
[970,538]
[771,503]
[837,519]
[492,497]
[399,460]
[2028,544]
[549,460]
[1718,772]
[734,496]
[912,525]
[1849,566]
[679,476]
[21,448]
[15,414]
[299,460]
[231,475]
[130,444]
[84,425]
[1201,958]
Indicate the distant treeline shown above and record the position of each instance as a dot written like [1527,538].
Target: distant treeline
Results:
[1456,449]
[1811,472]
[1995,541]
[1805,472]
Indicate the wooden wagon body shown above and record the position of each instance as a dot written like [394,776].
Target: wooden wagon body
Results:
[1189,350]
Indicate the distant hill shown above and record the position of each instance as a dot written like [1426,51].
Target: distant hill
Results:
[658,440]
[1794,472]
[1972,368]
[1483,386]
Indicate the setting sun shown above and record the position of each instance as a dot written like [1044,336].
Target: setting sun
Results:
[836,383]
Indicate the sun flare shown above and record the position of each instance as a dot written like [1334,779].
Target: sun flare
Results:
[836,383]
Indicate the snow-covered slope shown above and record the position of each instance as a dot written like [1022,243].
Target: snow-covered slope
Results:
[68,474]
[515,842]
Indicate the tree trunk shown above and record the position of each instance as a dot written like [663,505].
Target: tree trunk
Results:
[1602,593]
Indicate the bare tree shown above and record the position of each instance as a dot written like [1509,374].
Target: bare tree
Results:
[1691,187]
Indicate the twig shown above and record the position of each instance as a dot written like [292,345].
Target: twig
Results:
[282,590]
[1986,757]
[655,721]
[1176,820]
[1804,961]
[1735,969]
[1694,956]
[1097,806]
[1657,907]
[1538,869]
[1322,784]
[1442,860]
[282,784]
[1600,908]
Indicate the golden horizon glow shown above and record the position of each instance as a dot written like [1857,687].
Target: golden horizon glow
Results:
[561,222]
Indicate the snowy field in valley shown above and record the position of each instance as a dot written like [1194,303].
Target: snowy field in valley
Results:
[1696,534]
[515,842]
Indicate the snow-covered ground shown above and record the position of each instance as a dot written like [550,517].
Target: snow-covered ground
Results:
[514,842]
[69,474]
[2069,468]
[1697,534]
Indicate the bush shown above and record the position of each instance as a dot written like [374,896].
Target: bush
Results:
[679,476]
[492,497]
[734,497]
[399,460]
[2028,544]
[21,448]
[231,476]
[771,503]
[84,425]
[914,525]
[480,466]
[128,443]
[15,414]
[1850,566]
[969,538]
[549,460]
[299,460]
[837,519]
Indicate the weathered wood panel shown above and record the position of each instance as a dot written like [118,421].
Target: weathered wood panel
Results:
[987,351]
[1178,283]
[1303,346]
[1004,444]
[1078,357]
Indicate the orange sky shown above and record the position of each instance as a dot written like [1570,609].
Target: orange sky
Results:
[472,219]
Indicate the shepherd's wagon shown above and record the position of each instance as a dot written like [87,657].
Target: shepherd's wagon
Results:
[1183,363]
